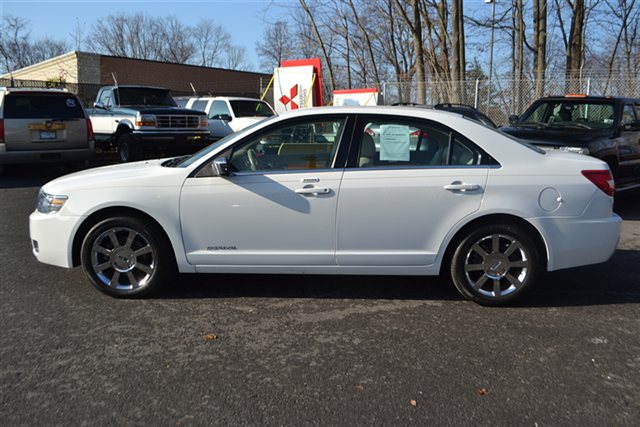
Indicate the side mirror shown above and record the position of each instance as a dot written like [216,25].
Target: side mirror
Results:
[225,117]
[221,166]
[99,106]
[513,119]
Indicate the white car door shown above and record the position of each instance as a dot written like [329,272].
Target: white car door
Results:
[276,207]
[406,190]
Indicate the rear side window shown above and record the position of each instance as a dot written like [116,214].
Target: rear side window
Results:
[399,142]
[42,106]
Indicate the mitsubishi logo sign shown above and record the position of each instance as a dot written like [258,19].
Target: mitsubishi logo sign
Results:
[284,99]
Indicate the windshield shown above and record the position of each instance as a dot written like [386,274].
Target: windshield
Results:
[570,113]
[186,162]
[251,108]
[144,96]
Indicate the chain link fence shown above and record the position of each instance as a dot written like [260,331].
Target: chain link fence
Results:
[500,98]
[497,99]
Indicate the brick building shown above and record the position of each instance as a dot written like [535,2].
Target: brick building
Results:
[91,69]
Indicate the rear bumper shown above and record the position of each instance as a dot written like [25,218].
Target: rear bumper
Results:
[54,155]
[573,242]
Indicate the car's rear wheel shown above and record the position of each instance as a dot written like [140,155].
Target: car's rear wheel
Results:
[495,264]
[127,257]
[127,150]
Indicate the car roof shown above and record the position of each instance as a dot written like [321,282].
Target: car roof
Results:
[34,90]
[581,97]
[136,87]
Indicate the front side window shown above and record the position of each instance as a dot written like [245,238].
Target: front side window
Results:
[303,145]
[219,108]
[628,115]
[404,143]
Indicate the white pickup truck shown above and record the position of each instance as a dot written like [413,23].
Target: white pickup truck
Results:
[136,120]
[228,114]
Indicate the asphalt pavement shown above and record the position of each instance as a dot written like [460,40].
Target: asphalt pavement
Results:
[313,350]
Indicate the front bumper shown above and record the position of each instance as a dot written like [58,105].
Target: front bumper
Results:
[52,237]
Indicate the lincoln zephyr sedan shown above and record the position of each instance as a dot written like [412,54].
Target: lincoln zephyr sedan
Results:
[311,192]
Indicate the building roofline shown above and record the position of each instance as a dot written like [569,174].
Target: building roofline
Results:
[183,64]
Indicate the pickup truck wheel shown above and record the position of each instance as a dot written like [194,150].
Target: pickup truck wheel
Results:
[128,151]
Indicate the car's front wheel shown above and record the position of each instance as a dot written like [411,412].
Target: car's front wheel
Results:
[495,264]
[127,257]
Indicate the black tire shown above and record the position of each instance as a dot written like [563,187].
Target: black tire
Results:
[495,264]
[128,150]
[127,257]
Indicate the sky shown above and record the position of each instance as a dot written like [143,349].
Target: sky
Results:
[245,20]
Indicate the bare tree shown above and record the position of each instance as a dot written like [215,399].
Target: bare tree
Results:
[176,41]
[573,42]
[413,20]
[539,44]
[321,43]
[276,45]
[14,45]
[628,17]
[236,58]
[18,50]
[211,40]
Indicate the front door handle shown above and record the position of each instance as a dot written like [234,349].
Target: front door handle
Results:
[313,190]
[459,186]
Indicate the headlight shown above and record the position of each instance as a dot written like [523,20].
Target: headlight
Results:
[204,122]
[48,203]
[146,120]
[578,150]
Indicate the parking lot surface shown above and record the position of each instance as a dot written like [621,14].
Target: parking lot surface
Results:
[313,350]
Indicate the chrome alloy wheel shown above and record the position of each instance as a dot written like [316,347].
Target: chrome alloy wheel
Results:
[123,259]
[496,265]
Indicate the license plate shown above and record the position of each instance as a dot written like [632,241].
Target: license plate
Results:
[45,134]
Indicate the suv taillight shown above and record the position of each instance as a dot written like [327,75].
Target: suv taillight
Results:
[89,129]
[603,179]
[1,131]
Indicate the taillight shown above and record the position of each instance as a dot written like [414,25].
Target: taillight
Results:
[1,131]
[603,179]
[89,130]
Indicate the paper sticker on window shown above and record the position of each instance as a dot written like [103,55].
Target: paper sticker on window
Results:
[394,143]
[71,103]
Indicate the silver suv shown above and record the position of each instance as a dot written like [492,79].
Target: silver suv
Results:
[43,125]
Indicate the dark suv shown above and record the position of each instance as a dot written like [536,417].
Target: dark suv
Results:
[604,127]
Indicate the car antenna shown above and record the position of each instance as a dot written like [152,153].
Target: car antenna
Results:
[115,78]
[193,88]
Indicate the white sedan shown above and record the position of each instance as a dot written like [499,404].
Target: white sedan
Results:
[310,192]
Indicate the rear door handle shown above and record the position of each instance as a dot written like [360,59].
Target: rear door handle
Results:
[313,190]
[459,186]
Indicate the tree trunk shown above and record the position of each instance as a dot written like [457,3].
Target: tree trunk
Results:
[458,47]
[575,47]
[539,44]
[415,25]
